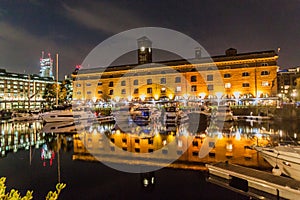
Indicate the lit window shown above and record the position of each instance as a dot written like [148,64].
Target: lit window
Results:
[265,83]
[163,90]
[227,85]
[178,89]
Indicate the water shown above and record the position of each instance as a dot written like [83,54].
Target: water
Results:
[31,161]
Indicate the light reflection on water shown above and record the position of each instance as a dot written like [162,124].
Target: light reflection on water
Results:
[230,145]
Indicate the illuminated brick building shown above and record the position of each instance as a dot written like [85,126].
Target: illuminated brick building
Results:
[226,77]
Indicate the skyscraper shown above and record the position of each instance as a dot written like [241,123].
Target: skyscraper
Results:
[46,66]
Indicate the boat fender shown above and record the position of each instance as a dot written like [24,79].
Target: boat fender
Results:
[276,171]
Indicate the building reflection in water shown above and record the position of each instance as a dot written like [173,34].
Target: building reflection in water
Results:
[156,146]
[20,135]
[107,143]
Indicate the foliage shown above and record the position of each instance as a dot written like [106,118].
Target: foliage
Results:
[64,93]
[15,194]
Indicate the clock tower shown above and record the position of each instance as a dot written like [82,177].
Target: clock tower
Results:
[144,50]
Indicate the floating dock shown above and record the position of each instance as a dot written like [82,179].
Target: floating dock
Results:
[252,117]
[253,183]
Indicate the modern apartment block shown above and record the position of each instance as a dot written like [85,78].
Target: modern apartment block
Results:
[22,91]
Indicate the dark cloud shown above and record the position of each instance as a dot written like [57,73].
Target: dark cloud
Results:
[74,28]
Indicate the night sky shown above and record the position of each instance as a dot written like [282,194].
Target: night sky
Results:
[74,28]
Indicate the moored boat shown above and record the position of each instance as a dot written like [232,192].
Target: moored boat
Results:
[285,159]
[77,114]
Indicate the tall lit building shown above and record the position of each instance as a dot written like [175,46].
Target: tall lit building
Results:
[46,65]
[243,76]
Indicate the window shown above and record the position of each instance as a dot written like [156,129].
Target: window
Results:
[77,85]
[227,75]
[210,77]
[149,81]
[163,90]
[88,84]
[227,85]
[210,87]
[193,78]
[123,83]
[135,82]
[245,74]
[78,92]
[163,81]
[264,73]
[177,79]
[88,92]
[149,90]
[194,88]
[99,83]
[136,90]
[246,85]
[111,92]
[111,84]
[264,64]
[123,91]
[100,92]
[178,89]
[265,83]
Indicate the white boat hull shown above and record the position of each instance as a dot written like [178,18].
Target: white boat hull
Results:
[66,116]
[286,158]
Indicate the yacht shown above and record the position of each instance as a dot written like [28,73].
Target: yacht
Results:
[284,159]
[59,127]
[79,113]
[16,116]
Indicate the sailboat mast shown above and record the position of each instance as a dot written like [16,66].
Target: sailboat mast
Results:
[56,79]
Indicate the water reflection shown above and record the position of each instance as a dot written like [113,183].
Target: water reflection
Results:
[106,142]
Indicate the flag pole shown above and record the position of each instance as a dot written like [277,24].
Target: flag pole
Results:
[56,79]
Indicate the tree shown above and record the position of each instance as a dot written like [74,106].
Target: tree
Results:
[50,93]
